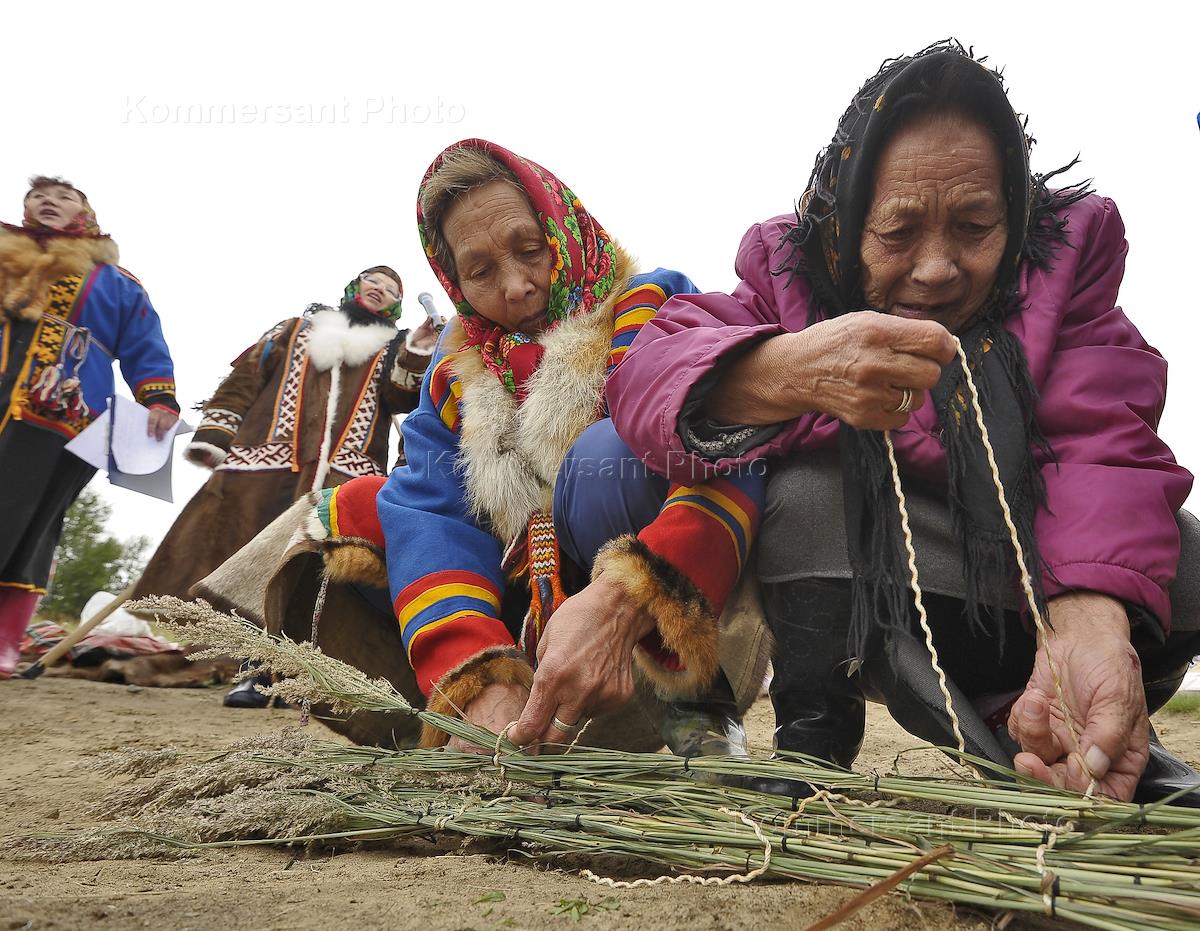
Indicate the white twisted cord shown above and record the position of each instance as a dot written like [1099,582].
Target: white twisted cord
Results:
[915,583]
[1031,825]
[578,737]
[500,738]
[1026,581]
[1049,877]
[689,878]
[824,795]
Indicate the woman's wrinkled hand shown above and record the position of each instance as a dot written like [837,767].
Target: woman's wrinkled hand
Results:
[867,359]
[1102,681]
[160,422]
[494,708]
[855,367]
[585,663]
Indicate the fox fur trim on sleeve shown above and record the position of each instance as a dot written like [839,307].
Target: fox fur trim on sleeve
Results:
[349,560]
[355,561]
[463,684]
[689,657]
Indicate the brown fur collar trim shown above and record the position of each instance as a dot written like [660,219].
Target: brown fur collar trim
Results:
[28,269]
[354,561]
[686,624]
[462,685]
[510,454]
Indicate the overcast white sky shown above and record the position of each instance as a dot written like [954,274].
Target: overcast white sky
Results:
[251,158]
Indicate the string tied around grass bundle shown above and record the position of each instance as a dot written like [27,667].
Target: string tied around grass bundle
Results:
[824,795]
[1049,877]
[1050,836]
[1019,553]
[691,878]
[500,738]
[1030,824]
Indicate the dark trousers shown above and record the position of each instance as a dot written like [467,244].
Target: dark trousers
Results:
[40,481]
[603,491]
[804,568]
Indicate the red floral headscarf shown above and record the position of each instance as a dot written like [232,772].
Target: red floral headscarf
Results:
[583,274]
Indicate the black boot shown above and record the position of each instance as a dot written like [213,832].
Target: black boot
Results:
[1165,774]
[1163,671]
[246,695]
[899,674]
[819,706]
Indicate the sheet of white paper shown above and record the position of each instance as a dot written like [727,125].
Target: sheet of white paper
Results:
[133,451]
[92,444]
[155,484]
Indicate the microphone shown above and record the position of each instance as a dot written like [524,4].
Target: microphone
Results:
[425,299]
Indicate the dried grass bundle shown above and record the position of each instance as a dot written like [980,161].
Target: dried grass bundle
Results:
[1020,846]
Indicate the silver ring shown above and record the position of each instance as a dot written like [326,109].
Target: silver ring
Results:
[906,400]
[566,728]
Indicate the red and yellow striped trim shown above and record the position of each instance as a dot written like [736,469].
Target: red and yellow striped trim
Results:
[445,390]
[633,310]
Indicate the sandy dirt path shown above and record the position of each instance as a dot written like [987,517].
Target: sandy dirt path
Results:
[49,729]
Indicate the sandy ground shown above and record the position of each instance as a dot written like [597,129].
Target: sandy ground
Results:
[50,728]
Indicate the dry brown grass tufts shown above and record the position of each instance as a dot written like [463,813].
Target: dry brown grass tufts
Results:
[135,762]
[97,844]
[175,788]
[308,673]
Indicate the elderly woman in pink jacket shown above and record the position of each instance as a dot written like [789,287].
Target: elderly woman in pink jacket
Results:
[922,220]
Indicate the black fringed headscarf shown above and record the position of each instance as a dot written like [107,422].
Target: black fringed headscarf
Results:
[825,250]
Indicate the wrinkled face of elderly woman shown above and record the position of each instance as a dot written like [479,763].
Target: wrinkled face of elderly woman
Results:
[54,205]
[501,256]
[936,227]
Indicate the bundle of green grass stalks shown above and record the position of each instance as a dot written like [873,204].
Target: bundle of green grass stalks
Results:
[1004,844]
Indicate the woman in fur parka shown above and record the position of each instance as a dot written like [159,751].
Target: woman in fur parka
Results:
[309,405]
[523,535]
[67,312]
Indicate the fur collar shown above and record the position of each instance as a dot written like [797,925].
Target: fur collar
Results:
[510,455]
[28,269]
[335,342]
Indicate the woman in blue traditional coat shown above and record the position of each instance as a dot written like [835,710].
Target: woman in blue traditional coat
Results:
[67,312]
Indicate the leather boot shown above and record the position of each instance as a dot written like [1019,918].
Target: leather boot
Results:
[245,694]
[1165,774]
[706,726]
[899,674]
[16,611]
[819,706]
